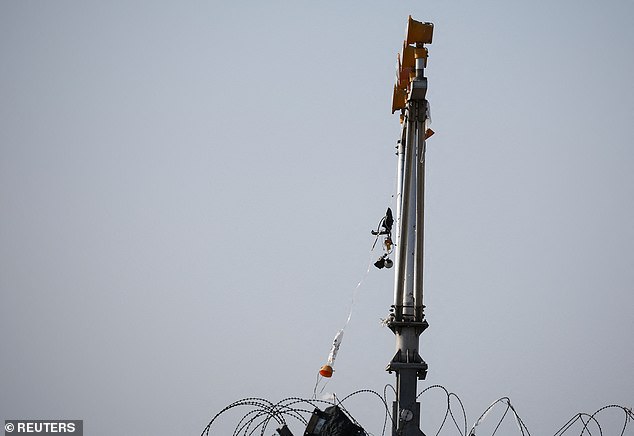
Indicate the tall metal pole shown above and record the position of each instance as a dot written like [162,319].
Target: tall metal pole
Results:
[407,318]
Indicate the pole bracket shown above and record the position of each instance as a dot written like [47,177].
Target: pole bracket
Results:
[397,326]
[407,357]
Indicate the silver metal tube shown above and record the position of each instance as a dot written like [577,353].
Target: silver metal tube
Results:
[410,262]
[420,213]
[399,200]
[420,67]
[399,177]
[404,223]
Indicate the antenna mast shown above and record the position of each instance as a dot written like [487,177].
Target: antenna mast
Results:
[407,318]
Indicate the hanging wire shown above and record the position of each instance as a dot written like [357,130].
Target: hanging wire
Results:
[319,379]
[316,389]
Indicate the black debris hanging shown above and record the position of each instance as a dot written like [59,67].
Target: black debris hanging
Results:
[384,229]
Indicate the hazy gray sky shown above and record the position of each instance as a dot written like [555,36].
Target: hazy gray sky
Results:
[187,191]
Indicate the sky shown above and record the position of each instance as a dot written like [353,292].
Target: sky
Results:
[187,191]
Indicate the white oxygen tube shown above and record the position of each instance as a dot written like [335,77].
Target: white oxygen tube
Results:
[326,370]
[335,347]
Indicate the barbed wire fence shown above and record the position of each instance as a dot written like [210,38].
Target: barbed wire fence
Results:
[263,415]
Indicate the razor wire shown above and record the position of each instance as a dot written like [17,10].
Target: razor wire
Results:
[262,413]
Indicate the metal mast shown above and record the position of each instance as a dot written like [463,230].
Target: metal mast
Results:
[407,319]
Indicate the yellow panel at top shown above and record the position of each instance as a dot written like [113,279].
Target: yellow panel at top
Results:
[418,32]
